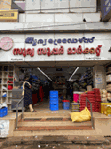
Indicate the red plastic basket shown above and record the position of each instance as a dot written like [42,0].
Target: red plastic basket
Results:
[10,87]
[65,101]
[90,92]
[83,95]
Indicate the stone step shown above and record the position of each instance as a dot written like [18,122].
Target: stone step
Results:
[45,119]
[52,123]
[39,128]
[46,115]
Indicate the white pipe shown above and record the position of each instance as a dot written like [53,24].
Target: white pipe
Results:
[43,73]
[74,73]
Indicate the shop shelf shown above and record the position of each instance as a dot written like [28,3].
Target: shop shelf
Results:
[108,72]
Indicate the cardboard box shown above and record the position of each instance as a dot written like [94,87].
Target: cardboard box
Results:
[89,88]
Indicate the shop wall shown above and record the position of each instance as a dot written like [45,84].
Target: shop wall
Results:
[99,74]
[52,4]
[59,18]
[19,42]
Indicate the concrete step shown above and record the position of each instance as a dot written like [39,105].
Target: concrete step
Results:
[48,128]
[46,115]
[46,119]
[52,123]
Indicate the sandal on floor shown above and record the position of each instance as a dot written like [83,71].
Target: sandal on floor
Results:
[33,111]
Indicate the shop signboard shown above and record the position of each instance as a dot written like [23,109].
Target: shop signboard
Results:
[106,9]
[57,51]
[50,47]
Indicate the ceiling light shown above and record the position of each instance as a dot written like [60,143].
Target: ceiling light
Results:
[43,73]
[74,73]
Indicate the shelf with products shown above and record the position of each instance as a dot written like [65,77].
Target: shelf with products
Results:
[9,100]
[7,77]
[9,107]
[10,94]
[109,72]
[4,74]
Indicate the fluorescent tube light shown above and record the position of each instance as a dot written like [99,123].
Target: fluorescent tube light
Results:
[74,73]
[43,73]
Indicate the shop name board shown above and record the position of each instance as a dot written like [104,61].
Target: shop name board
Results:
[57,51]
[34,42]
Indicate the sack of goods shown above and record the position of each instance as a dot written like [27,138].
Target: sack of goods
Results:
[84,115]
[105,96]
[109,96]
[103,93]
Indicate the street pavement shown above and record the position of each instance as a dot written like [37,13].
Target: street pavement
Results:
[56,142]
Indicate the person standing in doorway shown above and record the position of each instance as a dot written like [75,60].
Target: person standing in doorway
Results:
[27,93]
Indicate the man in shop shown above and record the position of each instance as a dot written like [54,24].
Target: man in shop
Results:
[76,85]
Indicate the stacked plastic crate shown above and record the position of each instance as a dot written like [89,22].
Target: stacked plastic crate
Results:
[91,98]
[82,101]
[98,100]
[54,101]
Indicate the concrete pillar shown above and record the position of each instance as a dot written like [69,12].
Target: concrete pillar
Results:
[99,75]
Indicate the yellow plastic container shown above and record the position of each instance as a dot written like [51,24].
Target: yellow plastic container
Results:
[104,104]
[108,110]
[105,109]
[75,107]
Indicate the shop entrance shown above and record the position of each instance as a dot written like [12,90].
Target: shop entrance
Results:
[47,76]
[61,79]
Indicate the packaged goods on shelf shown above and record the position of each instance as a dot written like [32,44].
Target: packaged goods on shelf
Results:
[109,68]
[108,78]
[89,88]
[104,100]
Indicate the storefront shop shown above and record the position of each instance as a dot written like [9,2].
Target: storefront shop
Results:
[22,53]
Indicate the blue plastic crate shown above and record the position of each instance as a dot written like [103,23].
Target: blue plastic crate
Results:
[54,102]
[54,96]
[66,105]
[54,107]
[3,112]
[54,99]
[53,93]
[51,103]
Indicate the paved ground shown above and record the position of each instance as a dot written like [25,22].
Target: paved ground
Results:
[57,142]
